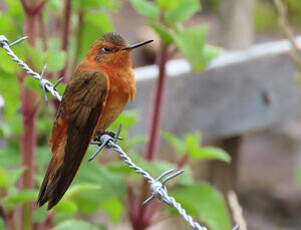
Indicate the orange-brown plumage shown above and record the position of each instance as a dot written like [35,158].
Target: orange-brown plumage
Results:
[94,97]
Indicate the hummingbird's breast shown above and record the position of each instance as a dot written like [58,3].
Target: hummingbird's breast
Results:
[122,88]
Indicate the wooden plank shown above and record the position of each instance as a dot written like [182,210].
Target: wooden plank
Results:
[240,92]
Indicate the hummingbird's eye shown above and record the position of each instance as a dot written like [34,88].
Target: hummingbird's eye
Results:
[107,49]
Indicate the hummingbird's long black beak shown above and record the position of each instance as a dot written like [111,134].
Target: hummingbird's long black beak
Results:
[134,46]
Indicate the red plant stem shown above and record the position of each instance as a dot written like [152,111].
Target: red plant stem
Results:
[29,108]
[49,222]
[65,33]
[156,115]
[66,24]
[29,111]
[78,37]
[183,161]
[133,205]
[42,31]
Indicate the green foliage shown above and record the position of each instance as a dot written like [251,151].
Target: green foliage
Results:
[182,11]
[163,31]
[205,203]
[10,91]
[265,16]
[114,208]
[166,18]
[191,146]
[146,8]
[39,214]
[9,177]
[77,225]
[191,43]
[10,156]
[266,19]
[17,197]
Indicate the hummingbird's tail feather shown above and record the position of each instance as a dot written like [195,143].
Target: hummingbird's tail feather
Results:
[63,167]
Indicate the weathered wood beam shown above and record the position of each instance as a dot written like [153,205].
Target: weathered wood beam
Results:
[239,92]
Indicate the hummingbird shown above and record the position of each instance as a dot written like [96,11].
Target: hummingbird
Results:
[94,97]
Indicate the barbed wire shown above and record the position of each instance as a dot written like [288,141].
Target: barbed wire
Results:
[46,85]
[157,186]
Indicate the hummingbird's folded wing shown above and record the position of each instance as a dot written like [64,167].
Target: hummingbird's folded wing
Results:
[81,107]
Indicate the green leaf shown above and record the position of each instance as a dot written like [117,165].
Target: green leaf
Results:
[32,83]
[5,23]
[20,197]
[77,188]
[10,156]
[183,11]
[127,119]
[75,225]
[56,60]
[6,63]
[9,177]
[9,89]
[130,143]
[191,43]
[193,143]
[167,4]
[204,203]
[34,55]
[39,214]
[163,31]
[102,25]
[114,208]
[176,143]
[66,207]
[211,153]
[146,8]
[211,52]
[2,224]
[112,185]
[101,21]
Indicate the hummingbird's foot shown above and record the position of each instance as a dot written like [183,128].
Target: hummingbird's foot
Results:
[111,134]
[101,140]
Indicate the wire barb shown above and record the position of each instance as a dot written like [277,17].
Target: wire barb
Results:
[157,185]
[43,83]
[19,40]
[58,82]
[46,85]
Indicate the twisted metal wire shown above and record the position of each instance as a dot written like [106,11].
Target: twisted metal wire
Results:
[46,85]
[157,187]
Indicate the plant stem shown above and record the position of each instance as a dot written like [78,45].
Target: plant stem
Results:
[78,38]
[65,33]
[43,31]
[28,143]
[29,107]
[156,115]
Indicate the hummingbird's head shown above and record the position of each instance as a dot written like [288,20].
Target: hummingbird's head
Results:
[113,50]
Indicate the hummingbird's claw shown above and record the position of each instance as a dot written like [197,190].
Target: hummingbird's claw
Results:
[115,136]
[103,138]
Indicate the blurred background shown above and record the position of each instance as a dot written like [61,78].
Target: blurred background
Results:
[218,95]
